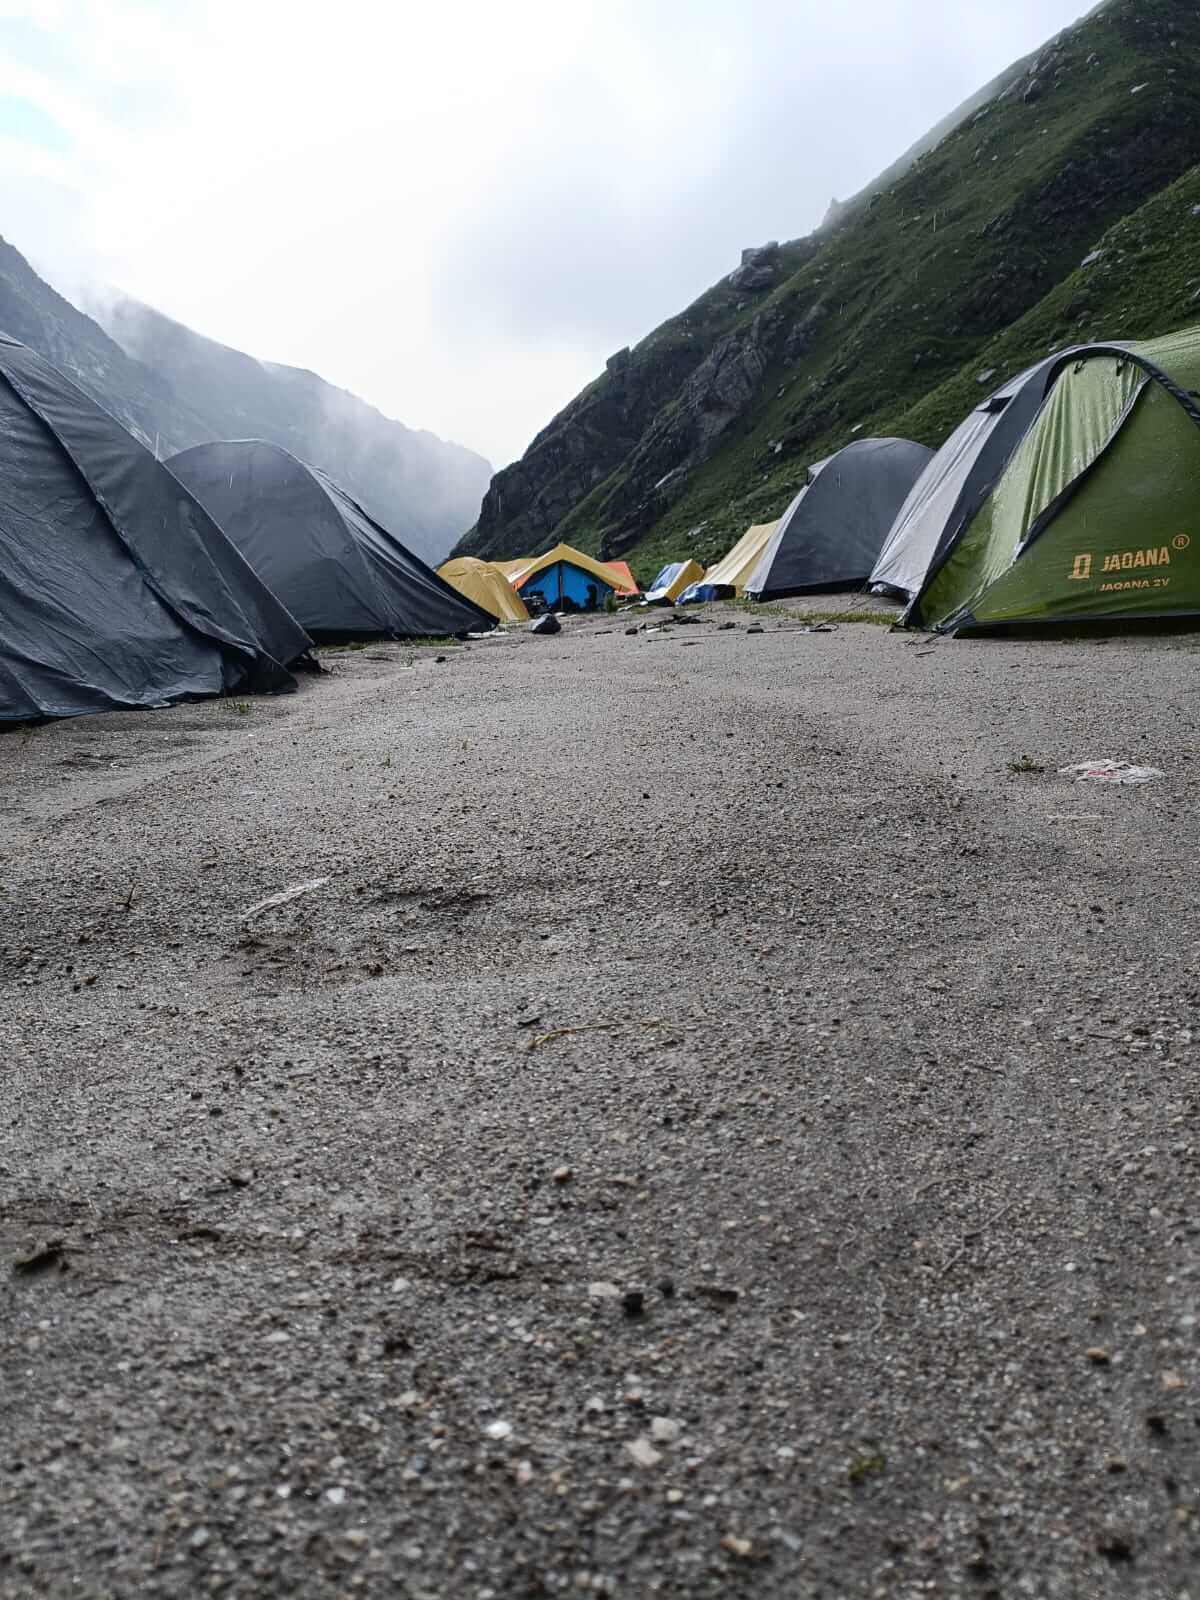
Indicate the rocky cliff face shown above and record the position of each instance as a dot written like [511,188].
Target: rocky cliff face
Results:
[708,423]
[172,388]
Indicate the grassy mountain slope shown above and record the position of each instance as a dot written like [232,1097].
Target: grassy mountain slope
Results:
[710,422]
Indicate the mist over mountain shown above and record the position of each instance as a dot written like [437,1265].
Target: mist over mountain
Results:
[1058,204]
[174,388]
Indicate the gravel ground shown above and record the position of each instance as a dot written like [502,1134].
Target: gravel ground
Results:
[709,1128]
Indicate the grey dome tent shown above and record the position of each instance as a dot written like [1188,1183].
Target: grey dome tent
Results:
[956,482]
[830,536]
[341,573]
[117,590]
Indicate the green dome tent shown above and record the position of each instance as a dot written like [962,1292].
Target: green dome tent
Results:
[1097,513]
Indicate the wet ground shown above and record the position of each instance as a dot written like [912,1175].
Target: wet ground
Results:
[717,1117]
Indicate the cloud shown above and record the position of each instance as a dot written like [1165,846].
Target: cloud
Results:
[459,210]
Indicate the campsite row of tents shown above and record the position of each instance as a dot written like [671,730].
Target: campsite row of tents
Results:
[1070,494]
[127,582]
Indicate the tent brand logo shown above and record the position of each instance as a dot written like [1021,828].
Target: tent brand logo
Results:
[1082,570]
[1131,560]
[1181,541]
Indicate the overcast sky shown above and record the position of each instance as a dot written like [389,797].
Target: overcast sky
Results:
[459,209]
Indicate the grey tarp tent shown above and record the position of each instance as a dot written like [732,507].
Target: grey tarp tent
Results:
[830,536]
[341,573]
[116,588]
[956,482]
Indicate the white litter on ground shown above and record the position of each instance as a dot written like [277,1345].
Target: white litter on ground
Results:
[283,897]
[1105,771]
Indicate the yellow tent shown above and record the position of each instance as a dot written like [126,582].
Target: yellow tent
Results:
[736,565]
[570,582]
[487,586]
[672,581]
[508,568]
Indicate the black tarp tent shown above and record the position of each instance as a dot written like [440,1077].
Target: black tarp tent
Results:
[959,478]
[830,535]
[340,573]
[117,590]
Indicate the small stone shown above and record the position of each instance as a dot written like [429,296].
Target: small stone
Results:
[603,1291]
[667,1288]
[200,1538]
[563,1174]
[336,1497]
[633,1303]
[356,1536]
[737,1546]
[643,1452]
[664,1431]
[717,1293]
[595,1404]
[1115,1546]
[674,1496]
[499,1430]
[755,627]
[1098,1356]
[1172,1381]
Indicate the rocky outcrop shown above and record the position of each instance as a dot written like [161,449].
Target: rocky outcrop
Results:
[688,433]
[758,268]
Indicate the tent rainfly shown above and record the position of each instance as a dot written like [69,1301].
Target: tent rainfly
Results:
[564,579]
[337,569]
[727,577]
[831,534]
[958,480]
[485,586]
[629,585]
[1096,513]
[117,589]
[671,582]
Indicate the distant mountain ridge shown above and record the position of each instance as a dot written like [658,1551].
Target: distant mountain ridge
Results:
[964,254]
[174,388]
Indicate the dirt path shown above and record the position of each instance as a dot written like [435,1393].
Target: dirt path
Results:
[713,1129]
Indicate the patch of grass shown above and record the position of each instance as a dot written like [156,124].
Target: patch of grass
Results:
[239,708]
[867,1462]
[1024,764]
[877,619]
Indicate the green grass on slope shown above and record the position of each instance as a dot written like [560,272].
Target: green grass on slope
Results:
[1146,283]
